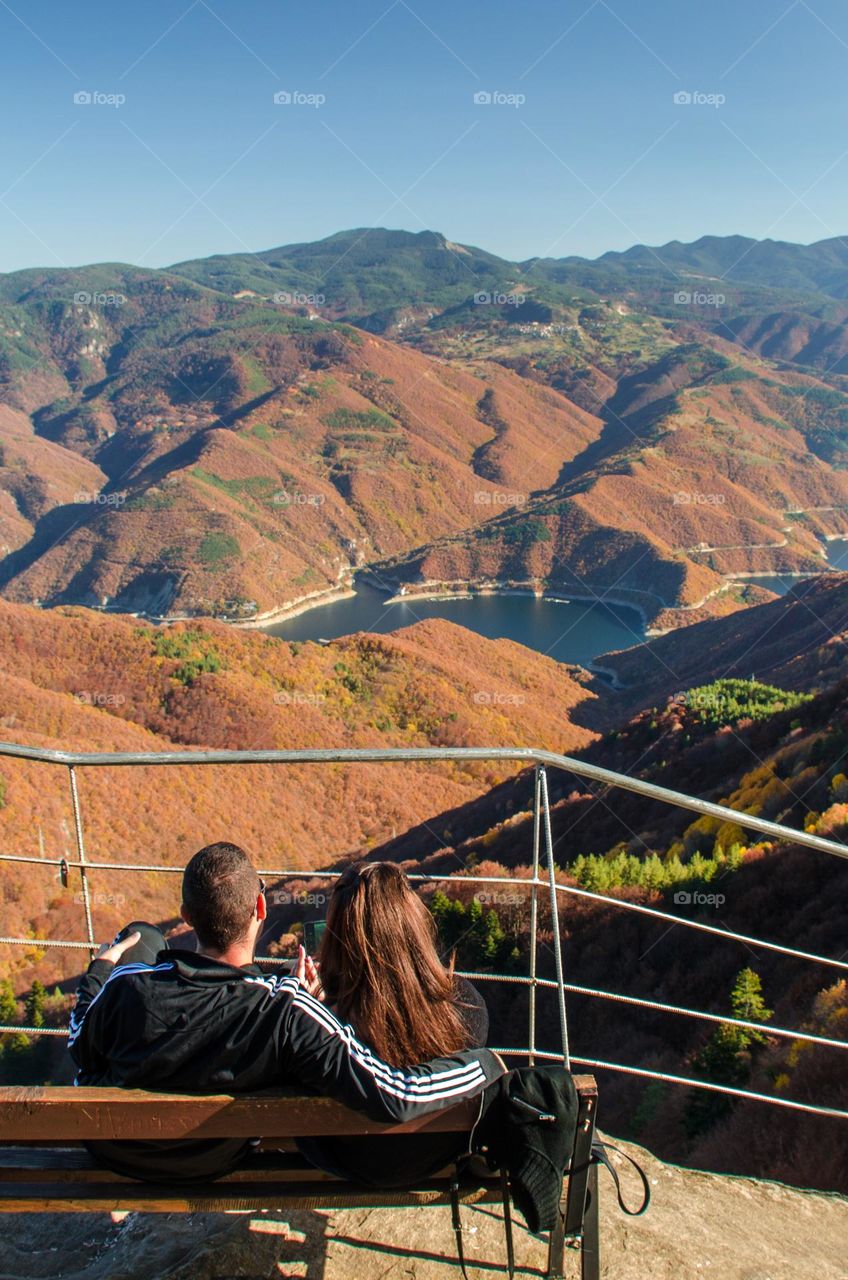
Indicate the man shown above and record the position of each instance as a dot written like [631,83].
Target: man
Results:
[211,1021]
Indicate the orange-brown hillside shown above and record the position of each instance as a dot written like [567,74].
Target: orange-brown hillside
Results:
[727,470]
[87,682]
[244,455]
[246,481]
[795,642]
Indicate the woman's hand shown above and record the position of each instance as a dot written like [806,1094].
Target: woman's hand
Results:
[113,951]
[307,973]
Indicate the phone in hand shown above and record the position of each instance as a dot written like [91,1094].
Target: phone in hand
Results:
[313,931]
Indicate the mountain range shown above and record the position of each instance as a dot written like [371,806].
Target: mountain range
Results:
[239,435]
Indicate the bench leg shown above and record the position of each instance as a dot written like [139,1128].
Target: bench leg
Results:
[556,1251]
[590,1252]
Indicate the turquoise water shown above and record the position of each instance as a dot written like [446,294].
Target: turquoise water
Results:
[572,632]
[837,558]
[837,554]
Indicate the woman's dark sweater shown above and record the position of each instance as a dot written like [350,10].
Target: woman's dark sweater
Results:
[402,1159]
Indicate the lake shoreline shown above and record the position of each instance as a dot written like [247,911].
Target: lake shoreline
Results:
[282,613]
[436,591]
[443,592]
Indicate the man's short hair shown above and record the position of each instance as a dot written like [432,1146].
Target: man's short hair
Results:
[220,888]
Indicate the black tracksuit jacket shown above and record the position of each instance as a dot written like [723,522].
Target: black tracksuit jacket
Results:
[192,1024]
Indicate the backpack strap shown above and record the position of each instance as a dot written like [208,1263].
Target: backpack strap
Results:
[457,1222]
[600,1156]
[458,1227]
[507,1208]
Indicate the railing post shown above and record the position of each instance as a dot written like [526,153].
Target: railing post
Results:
[549,847]
[86,897]
[534,913]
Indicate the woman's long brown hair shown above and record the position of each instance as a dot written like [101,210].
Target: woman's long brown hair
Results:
[381,971]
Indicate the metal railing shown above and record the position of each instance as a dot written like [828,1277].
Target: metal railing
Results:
[536,883]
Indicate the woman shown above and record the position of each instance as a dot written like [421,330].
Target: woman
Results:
[381,973]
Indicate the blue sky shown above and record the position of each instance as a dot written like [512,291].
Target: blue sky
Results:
[199,158]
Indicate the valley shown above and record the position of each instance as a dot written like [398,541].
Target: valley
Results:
[387,490]
[771,741]
[240,437]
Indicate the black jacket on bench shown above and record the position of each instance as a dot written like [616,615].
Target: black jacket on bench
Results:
[192,1024]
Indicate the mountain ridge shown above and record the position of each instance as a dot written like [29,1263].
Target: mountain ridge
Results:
[238,452]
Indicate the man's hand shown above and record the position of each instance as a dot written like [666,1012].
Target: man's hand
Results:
[307,973]
[114,950]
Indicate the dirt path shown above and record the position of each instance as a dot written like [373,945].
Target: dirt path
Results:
[699,1225]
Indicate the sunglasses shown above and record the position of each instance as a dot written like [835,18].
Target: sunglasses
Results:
[261,885]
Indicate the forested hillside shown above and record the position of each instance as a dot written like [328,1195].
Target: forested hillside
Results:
[761,750]
[81,681]
[242,434]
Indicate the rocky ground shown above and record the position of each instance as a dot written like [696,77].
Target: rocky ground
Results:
[698,1225]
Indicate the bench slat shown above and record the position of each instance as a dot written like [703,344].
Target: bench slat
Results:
[64,1165]
[40,1197]
[136,1114]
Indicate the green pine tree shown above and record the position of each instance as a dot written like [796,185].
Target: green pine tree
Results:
[35,1002]
[8,1004]
[726,1057]
[746,1001]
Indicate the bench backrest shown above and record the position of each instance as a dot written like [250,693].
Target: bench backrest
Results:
[70,1114]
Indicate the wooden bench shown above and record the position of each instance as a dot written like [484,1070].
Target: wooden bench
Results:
[45,1169]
